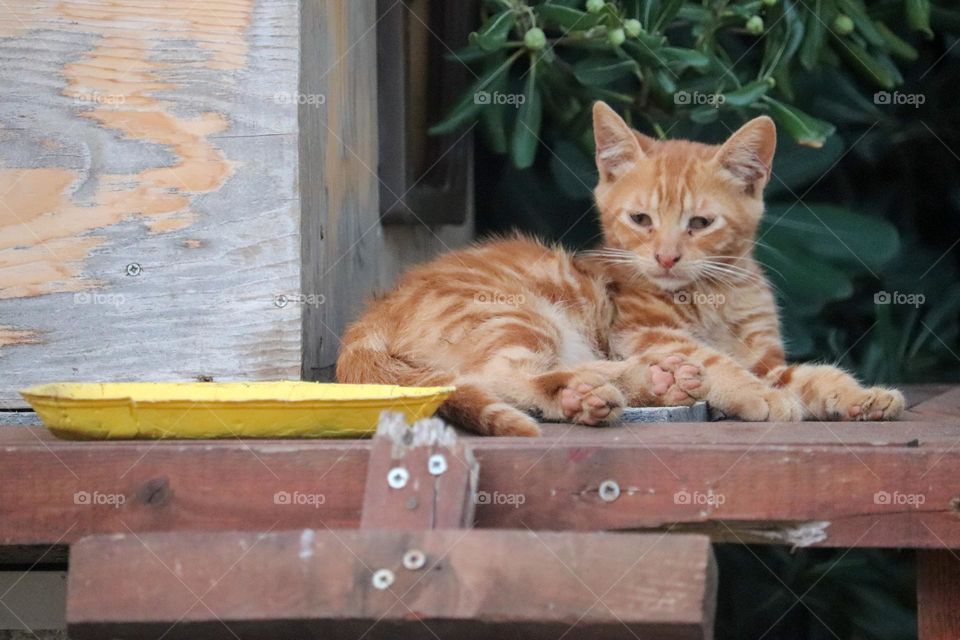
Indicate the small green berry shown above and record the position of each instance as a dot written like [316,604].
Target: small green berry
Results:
[593,6]
[632,27]
[535,39]
[843,24]
[754,25]
[616,37]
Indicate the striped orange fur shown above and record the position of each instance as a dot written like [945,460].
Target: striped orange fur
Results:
[671,309]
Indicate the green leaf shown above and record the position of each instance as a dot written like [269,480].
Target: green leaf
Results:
[471,103]
[796,166]
[896,45]
[838,235]
[918,16]
[804,284]
[681,58]
[704,114]
[867,66]
[597,71]
[666,81]
[566,18]
[747,94]
[804,128]
[495,31]
[527,127]
[574,172]
[470,53]
[668,13]
[813,42]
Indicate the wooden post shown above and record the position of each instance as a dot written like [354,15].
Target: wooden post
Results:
[418,477]
[938,594]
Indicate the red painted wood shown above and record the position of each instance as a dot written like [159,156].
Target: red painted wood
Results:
[318,584]
[938,594]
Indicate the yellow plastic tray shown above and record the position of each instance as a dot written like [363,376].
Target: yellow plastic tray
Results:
[225,410]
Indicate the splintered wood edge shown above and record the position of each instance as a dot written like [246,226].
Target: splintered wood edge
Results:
[427,432]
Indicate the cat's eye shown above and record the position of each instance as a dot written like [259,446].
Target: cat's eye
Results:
[699,222]
[641,219]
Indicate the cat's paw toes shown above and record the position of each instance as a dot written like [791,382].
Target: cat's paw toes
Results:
[875,403]
[676,380]
[591,400]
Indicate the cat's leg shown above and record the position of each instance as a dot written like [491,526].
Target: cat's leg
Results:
[725,383]
[596,392]
[830,393]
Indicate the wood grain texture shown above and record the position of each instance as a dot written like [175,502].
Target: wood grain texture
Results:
[474,585]
[155,136]
[348,255]
[899,491]
[938,592]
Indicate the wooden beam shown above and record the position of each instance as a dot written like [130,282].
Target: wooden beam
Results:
[884,485]
[938,592]
[350,584]
[79,488]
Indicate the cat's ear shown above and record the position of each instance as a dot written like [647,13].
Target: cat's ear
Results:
[747,155]
[618,148]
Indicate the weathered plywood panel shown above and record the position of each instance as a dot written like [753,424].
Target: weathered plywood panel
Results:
[149,207]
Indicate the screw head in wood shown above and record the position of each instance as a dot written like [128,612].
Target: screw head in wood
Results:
[437,464]
[414,559]
[609,490]
[382,579]
[397,477]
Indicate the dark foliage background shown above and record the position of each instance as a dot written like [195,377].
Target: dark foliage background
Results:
[862,210]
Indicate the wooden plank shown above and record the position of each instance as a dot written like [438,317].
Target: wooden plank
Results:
[148,166]
[418,477]
[472,585]
[347,254]
[939,407]
[938,592]
[557,481]
[56,493]
[796,495]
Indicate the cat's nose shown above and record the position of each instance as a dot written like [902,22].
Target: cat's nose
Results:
[667,260]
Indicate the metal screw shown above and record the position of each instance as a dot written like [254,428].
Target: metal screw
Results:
[414,559]
[280,301]
[133,269]
[382,579]
[397,477]
[609,490]
[437,464]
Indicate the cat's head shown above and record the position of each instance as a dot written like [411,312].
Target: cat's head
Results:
[679,211]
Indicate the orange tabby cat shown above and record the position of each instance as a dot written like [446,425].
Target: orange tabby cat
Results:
[672,309]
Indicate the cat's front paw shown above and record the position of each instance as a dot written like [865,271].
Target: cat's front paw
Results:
[770,405]
[677,381]
[591,400]
[858,403]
